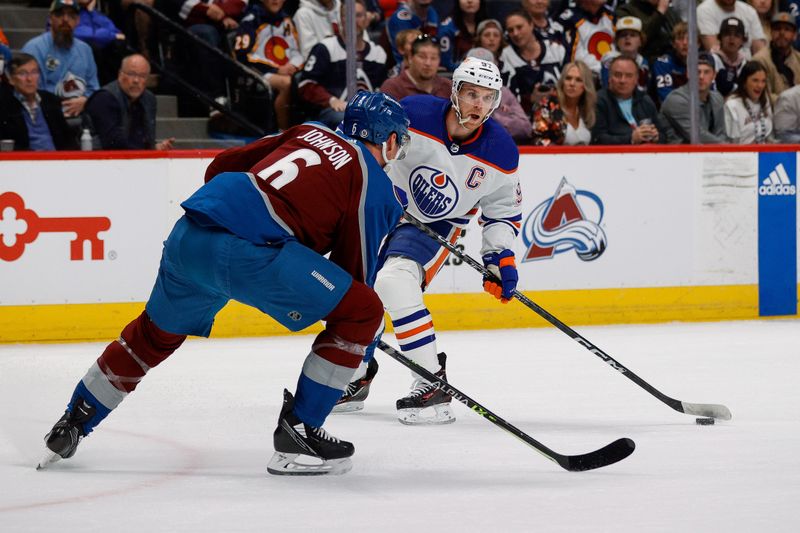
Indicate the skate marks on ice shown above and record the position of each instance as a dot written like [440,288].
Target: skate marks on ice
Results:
[221,398]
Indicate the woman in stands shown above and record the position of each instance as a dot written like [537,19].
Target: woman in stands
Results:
[748,113]
[568,118]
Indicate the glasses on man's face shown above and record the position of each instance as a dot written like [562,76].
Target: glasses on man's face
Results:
[26,73]
[136,75]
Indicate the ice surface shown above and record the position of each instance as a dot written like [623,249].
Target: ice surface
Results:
[188,450]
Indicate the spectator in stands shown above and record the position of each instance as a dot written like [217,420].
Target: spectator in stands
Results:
[531,66]
[787,116]
[765,9]
[403,42]
[658,20]
[267,41]
[30,116]
[323,82]
[569,117]
[413,14]
[710,15]
[545,27]
[780,59]
[625,115]
[676,108]
[669,70]
[66,65]
[730,58]
[748,113]
[124,111]
[315,20]
[107,41]
[142,25]
[509,113]
[209,20]
[5,54]
[588,32]
[457,32]
[5,58]
[627,41]
[490,36]
[421,75]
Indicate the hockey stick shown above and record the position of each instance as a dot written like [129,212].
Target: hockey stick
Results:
[607,455]
[697,409]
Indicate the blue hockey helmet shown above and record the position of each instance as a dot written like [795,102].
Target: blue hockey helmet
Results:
[374,117]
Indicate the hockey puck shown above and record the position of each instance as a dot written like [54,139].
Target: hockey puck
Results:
[704,421]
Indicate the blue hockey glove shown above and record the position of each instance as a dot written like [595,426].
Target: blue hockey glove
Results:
[504,281]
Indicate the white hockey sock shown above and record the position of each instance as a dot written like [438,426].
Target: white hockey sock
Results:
[399,286]
[361,371]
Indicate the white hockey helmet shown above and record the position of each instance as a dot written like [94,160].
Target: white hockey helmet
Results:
[479,72]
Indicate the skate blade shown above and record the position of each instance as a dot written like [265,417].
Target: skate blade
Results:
[349,407]
[47,459]
[442,414]
[287,464]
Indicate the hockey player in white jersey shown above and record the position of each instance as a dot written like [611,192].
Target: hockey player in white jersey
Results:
[463,162]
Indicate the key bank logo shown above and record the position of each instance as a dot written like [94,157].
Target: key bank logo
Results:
[570,220]
[434,192]
[20,226]
[777,183]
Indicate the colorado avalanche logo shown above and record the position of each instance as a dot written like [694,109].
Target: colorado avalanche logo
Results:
[434,192]
[558,225]
[70,86]
[600,44]
[275,50]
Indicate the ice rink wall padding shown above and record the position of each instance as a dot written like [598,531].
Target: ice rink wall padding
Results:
[608,236]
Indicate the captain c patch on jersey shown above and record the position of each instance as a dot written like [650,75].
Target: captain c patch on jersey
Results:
[434,192]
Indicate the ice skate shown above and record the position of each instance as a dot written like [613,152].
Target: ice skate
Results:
[62,441]
[357,391]
[426,404]
[303,450]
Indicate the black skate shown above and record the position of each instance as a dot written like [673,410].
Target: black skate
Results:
[294,438]
[62,441]
[357,391]
[416,409]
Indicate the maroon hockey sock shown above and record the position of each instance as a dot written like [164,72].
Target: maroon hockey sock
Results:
[350,327]
[141,346]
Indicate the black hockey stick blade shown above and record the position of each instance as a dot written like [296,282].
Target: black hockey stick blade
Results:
[697,409]
[607,455]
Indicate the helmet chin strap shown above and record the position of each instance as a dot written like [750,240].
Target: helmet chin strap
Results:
[386,160]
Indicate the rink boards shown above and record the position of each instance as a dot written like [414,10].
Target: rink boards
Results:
[606,237]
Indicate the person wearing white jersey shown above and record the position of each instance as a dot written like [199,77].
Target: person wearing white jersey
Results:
[463,162]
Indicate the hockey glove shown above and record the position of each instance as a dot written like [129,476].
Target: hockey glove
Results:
[504,275]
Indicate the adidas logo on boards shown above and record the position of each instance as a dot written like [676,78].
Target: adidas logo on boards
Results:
[777,183]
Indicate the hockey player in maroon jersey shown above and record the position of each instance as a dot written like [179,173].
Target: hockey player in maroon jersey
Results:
[256,232]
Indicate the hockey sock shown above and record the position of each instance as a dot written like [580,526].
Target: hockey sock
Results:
[141,346]
[337,352]
[399,284]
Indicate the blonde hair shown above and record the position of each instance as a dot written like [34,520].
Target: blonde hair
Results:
[588,100]
[404,36]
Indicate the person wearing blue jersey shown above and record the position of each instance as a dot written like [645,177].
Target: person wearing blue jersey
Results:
[669,70]
[258,232]
[463,161]
[66,64]
[414,14]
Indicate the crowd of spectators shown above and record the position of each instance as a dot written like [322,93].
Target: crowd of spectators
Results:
[575,71]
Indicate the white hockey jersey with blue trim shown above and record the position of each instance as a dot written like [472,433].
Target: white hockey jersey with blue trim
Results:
[447,182]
